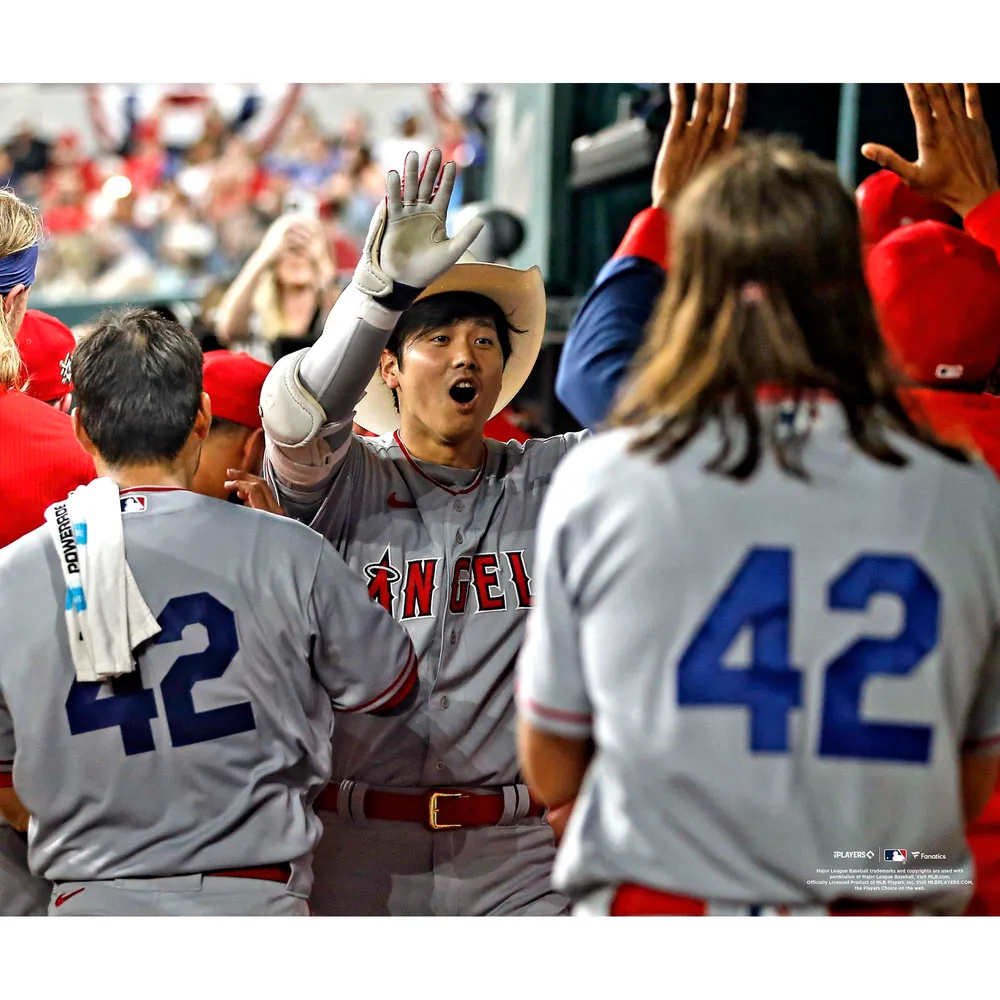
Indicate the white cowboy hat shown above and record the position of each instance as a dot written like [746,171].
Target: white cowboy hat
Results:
[520,294]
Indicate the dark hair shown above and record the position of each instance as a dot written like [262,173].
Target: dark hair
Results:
[138,381]
[226,426]
[766,289]
[439,311]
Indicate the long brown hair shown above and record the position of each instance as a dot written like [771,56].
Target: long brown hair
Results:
[766,289]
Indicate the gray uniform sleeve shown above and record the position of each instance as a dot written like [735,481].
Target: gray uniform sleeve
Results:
[982,730]
[551,692]
[361,656]
[335,370]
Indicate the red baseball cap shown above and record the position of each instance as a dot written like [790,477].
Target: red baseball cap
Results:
[233,381]
[45,346]
[885,203]
[937,296]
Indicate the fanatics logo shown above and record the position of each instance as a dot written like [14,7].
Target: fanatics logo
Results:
[895,854]
[133,504]
[66,369]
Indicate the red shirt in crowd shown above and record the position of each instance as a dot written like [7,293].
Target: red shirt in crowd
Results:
[41,461]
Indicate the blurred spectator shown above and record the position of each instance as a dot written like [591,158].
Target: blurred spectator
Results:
[345,251]
[29,155]
[391,151]
[360,188]
[280,300]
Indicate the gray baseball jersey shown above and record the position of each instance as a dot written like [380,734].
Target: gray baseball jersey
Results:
[209,756]
[449,553]
[773,671]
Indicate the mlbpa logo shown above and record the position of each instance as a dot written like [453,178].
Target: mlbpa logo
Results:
[895,854]
[133,504]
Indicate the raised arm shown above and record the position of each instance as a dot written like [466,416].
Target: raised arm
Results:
[309,397]
[608,329]
[955,163]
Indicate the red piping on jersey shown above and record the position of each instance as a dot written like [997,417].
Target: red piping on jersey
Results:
[6,779]
[407,677]
[557,713]
[430,478]
[154,489]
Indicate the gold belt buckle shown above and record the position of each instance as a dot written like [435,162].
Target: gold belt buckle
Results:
[433,810]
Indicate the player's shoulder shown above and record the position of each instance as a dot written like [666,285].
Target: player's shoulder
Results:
[23,556]
[283,530]
[536,454]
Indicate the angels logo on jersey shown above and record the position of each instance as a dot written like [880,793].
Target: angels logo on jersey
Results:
[498,581]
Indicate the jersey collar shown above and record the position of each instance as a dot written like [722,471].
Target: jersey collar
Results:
[455,493]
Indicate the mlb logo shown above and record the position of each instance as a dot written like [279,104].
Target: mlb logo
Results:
[895,854]
[133,504]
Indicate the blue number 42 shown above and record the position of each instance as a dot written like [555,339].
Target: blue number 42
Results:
[759,597]
[132,707]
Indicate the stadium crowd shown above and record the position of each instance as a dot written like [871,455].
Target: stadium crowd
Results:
[908,305]
[145,213]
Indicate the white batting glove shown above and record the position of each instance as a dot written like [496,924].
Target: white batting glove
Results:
[407,247]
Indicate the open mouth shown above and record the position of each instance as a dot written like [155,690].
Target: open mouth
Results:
[463,393]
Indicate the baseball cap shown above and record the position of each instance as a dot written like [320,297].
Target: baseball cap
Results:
[937,296]
[233,381]
[45,345]
[885,203]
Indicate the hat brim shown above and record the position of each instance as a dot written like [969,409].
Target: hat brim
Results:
[520,294]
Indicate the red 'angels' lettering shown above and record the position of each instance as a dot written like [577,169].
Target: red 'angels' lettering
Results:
[381,576]
[481,574]
[522,582]
[419,588]
[484,575]
[460,586]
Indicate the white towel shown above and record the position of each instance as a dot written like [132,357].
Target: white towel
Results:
[105,613]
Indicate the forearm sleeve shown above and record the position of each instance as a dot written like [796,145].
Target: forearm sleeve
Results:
[340,364]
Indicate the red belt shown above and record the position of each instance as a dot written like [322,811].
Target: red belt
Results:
[639,901]
[269,873]
[435,808]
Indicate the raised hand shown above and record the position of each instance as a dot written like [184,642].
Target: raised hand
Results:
[407,247]
[955,161]
[719,109]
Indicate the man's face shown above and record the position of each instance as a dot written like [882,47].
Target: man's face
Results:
[450,378]
[224,449]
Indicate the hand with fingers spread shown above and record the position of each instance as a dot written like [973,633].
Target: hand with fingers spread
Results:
[407,247]
[253,491]
[719,109]
[955,161]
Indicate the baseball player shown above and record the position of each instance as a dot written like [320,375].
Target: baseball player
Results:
[761,693]
[938,297]
[40,462]
[427,814]
[233,382]
[168,750]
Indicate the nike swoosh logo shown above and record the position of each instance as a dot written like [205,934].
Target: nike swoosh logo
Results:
[68,895]
[398,504]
